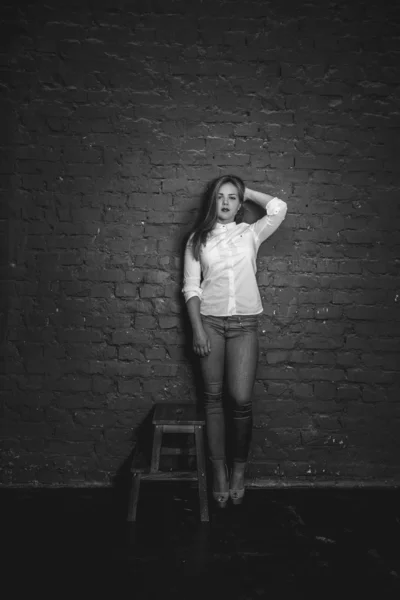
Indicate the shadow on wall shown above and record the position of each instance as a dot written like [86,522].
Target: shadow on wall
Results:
[142,439]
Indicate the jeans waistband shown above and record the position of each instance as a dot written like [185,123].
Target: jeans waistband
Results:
[232,323]
[234,318]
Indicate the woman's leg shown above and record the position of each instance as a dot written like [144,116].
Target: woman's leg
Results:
[212,369]
[241,366]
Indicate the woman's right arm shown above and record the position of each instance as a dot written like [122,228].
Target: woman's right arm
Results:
[201,341]
[192,292]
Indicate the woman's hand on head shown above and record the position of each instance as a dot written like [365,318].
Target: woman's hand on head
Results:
[201,343]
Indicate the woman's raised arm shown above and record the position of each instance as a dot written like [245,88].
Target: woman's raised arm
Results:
[258,197]
[275,209]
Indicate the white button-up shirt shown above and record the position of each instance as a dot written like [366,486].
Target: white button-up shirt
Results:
[225,277]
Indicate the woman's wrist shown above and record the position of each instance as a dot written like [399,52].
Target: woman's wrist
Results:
[258,197]
[250,194]
[247,193]
[198,328]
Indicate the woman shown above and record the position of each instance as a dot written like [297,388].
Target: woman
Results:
[223,303]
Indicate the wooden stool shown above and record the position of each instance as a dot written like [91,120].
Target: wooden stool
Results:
[172,418]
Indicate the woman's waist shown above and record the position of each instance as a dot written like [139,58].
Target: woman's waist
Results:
[232,318]
[230,305]
[232,325]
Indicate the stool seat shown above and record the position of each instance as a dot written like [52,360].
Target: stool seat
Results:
[172,418]
[177,414]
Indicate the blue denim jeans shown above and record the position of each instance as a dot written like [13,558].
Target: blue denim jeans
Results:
[230,366]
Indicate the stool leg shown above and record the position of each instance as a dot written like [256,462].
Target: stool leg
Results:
[134,497]
[201,473]
[155,456]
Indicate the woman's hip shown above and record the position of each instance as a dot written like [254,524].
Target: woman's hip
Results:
[231,324]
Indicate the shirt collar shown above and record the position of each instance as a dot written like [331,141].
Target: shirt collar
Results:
[219,227]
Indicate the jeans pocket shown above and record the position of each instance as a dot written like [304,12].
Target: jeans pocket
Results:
[249,323]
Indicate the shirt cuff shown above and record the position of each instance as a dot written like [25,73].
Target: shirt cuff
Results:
[191,293]
[275,206]
[188,295]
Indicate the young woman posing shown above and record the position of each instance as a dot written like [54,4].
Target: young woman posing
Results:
[223,303]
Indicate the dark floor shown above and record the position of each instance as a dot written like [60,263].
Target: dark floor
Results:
[305,543]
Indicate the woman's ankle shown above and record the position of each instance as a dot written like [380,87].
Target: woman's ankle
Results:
[220,475]
[219,465]
[237,475]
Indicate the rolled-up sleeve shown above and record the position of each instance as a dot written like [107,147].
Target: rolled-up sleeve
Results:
[191,274]
[276,210]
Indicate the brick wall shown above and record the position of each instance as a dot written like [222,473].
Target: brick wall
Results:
[115,115]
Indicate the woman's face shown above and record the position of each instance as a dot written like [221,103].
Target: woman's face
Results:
[228,203]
